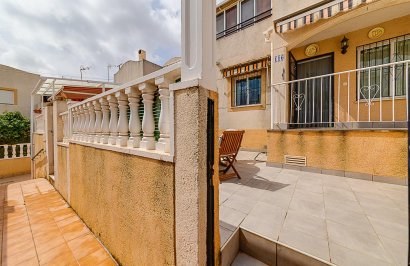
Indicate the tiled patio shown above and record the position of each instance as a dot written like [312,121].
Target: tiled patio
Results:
[39,228]
[340,220]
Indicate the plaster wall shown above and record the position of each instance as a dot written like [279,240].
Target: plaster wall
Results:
[283,8]
[240,47]
[127,201]
[134,69]
[358,151]
[40,162]
[23,83]
[62,183]
[14,167]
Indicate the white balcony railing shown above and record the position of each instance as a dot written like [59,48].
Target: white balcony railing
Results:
[14,151]
[111,120]
[370,97]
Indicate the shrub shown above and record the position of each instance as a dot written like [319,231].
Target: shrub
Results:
[14,128]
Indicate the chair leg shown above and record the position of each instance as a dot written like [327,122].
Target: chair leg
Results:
[236,172]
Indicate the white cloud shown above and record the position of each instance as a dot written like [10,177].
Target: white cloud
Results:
[56,37]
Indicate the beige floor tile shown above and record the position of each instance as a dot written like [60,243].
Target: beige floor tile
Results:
[107,262]
[243,259]
[309,187]
[359,220]
[83,246]
[315,246]
[343,256]
[308,224]
[23,249]
[67,221]
[339,194]
[74,230]
[58,255]
[397,250]
[240,203]
[359,239]
[230,216]
[314,208]
[351,206]
[95,258]
[390,230]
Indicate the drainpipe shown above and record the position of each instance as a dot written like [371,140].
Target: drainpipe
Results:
[408,155]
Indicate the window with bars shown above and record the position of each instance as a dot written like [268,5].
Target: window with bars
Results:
[384,81]
[247,90]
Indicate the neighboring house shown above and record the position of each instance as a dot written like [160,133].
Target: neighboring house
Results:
[15,90]
[326,115]
[242,57]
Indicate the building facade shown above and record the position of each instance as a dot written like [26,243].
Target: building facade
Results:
[339,75]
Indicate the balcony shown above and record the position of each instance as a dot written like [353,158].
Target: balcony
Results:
[364,98]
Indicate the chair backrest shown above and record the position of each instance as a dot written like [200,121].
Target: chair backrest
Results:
[231,142]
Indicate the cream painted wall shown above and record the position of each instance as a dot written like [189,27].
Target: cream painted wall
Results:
[245,45]
[284,8]
[134,69]
[23,82]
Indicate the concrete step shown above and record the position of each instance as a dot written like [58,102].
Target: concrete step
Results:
[243,259]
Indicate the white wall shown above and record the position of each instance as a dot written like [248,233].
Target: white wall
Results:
[23,82]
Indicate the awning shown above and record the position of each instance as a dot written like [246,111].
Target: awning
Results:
[245,68]
[325,11]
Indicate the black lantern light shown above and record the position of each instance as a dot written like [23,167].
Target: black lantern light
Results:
[344,44]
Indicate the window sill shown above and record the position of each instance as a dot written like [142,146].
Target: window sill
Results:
[390,98]
[247,107]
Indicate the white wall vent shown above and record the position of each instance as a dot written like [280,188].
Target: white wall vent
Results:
[295,160]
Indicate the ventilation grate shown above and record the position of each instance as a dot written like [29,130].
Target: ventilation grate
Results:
[295,160]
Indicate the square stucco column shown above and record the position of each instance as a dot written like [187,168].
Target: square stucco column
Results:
[190,107]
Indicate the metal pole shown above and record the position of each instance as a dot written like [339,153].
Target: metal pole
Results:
[408,154]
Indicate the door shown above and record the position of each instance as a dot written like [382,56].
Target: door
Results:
[312,100]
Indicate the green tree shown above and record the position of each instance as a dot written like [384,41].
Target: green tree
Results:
[14,128]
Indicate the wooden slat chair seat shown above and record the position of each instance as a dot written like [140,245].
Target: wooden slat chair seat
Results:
[230,143]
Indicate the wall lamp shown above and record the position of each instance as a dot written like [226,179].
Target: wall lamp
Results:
[344,44]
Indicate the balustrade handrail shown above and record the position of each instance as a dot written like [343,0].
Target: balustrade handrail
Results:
[404,62]
[111,120]
[132,83]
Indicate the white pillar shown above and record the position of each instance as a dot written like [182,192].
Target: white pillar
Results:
[148,124]
[13,151]
[134,123]
[198,42]
[122,126]
[163,143]
[74,120]
[6,151]
[28,150]
[112,101]
[91,122]
[79,122]
[105,128]
[65,126]
[98,121]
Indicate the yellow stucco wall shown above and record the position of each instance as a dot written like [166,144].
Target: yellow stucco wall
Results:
[40,162]
[253,139]
[381,153]
[14,167]
[348,61]
[61,183]
[128,201]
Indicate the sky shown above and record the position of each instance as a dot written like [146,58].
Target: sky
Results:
[57,37]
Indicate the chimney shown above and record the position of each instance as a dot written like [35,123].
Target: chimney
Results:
[142,55]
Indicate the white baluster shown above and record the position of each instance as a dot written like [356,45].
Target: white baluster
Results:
[6,151]
[13,151]
[91,122]
[148,124]
[105,128]
[135,123]
[75,122]
[163,143]
[112,101]
[86,123]
[82,123]
[64,118]
[28,150]
[123,119]
[98,121]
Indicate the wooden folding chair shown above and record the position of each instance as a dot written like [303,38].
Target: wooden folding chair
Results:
[228,150]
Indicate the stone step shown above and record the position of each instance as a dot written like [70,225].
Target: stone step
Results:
[243,259]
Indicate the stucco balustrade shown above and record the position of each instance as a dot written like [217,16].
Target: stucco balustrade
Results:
[14,151]
[134,118]
[105,126]
[113,102]
[122,126]
[134,123]
[164,121]
[98,121]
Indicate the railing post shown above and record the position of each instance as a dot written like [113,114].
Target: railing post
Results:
[163,143]
[112,101]
[123,119]
[6,151]
[148,124]
[28,150]
[13,151]
[86,123]
[105,128]
[80,122]
[134,123]
[74,112]
[98,121]
[65,121]
[91,122]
